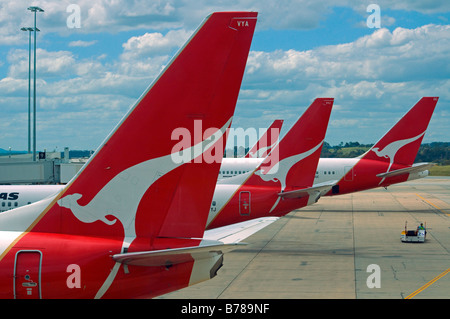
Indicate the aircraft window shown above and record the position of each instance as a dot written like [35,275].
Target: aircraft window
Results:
[213,203]
[9,204]
[3,204]
[16,204]
[325,172]
[29,203]
[227,172]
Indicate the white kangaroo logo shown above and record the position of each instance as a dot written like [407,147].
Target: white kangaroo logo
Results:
[280,170]
[121,196]
[84,215]
[390,150]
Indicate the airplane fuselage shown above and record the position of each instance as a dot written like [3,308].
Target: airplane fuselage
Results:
[13,196]
[353,174]
[72,266]
[235,202]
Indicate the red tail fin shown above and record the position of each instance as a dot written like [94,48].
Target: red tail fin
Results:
[294,160]
[132,186]
[267,141]
[401,143]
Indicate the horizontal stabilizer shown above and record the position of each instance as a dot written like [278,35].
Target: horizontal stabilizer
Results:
[316,190]
[415,168]
[207,249]
[234,233]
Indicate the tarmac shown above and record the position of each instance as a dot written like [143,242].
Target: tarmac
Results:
[344,247]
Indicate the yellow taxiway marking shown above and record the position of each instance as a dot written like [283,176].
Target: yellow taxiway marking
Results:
[435,206]
[428,284]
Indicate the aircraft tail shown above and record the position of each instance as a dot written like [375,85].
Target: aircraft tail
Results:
[290,166]
[401,143]
[154,175]
[293,161]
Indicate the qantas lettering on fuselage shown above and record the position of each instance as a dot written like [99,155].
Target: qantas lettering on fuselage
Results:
[9,196]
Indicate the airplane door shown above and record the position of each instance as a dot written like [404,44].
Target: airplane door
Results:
[27,275]
[244,203]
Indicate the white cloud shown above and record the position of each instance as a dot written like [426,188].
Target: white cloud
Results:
[384,72]
[48,63]
[404,54]
[81,43]
[155,43]
[12,86]
[423,6]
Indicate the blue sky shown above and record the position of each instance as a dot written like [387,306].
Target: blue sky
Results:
[88,77]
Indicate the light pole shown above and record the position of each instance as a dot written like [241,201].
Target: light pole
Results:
[29,84]
[34,9]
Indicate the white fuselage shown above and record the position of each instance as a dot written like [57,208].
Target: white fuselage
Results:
[235,166]
[328,169]
[13,196]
